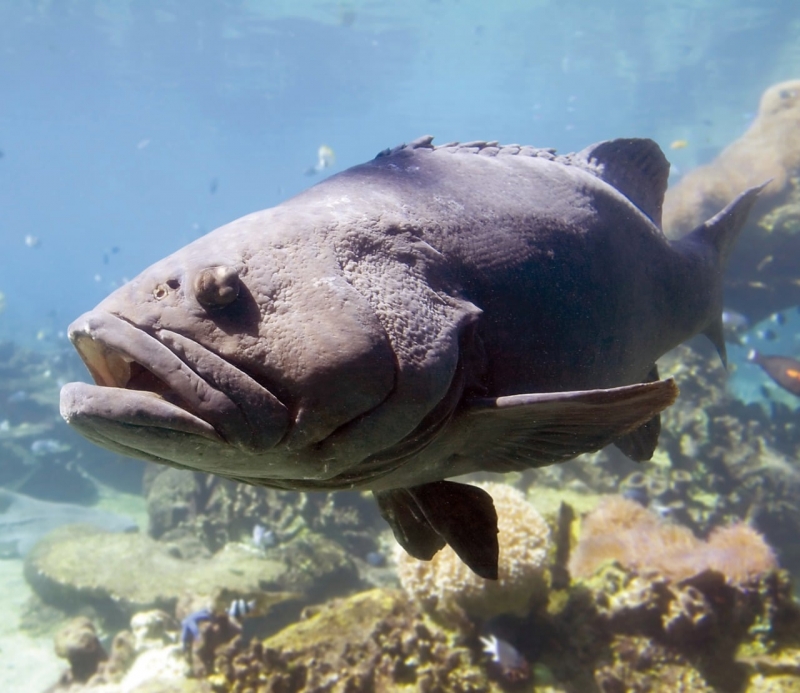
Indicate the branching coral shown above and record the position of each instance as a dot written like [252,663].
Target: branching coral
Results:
[524,542]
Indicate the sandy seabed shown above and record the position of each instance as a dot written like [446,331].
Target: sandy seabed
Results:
[27,664]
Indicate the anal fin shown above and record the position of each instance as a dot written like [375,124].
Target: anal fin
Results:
[640,443]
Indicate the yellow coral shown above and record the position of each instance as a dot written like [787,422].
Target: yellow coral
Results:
[524,542]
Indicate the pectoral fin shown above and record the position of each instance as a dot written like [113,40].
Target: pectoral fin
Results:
[424,518]
[535,430]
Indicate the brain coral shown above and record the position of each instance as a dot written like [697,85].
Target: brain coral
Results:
[524,542]
[622,530]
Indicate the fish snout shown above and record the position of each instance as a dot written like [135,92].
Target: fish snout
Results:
[168,382]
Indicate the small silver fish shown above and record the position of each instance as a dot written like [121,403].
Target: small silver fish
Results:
[511,663]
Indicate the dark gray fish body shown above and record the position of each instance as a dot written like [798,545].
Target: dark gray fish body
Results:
[432,312]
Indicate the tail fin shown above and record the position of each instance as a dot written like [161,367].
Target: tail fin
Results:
[720,232]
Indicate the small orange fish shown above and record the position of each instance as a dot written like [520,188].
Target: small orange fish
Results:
[784,370]
[679,144]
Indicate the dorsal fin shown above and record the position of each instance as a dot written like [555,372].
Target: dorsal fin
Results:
[635,167]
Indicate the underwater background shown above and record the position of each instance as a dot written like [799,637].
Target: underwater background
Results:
[129,128]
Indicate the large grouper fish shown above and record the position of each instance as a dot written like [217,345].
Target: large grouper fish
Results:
[432,312]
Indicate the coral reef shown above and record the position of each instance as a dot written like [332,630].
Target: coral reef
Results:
[151,629]
[624,531]
[77,642]
[80,567]
[650,607]
[372,641]
[639,664]
[762,271]
[524,544]
[187,508]
[654,605]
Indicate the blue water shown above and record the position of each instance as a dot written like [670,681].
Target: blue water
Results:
[117,118]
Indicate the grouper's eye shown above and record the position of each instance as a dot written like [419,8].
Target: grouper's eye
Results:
[216,287]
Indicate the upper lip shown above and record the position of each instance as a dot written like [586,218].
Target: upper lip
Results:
[119,354]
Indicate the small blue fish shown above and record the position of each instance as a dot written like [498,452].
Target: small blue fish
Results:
[734,325]
[240,608]
[17,397]
[263,538]
[190,627]
[375,559]
[768,335]
[778,318]
[511,664]
[637,494]
[47,446]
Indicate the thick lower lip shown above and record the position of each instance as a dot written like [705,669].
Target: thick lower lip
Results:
[155,384]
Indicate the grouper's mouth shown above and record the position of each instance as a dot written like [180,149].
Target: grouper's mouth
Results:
[153,387]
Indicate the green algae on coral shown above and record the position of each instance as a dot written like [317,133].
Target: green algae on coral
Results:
[372,641]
